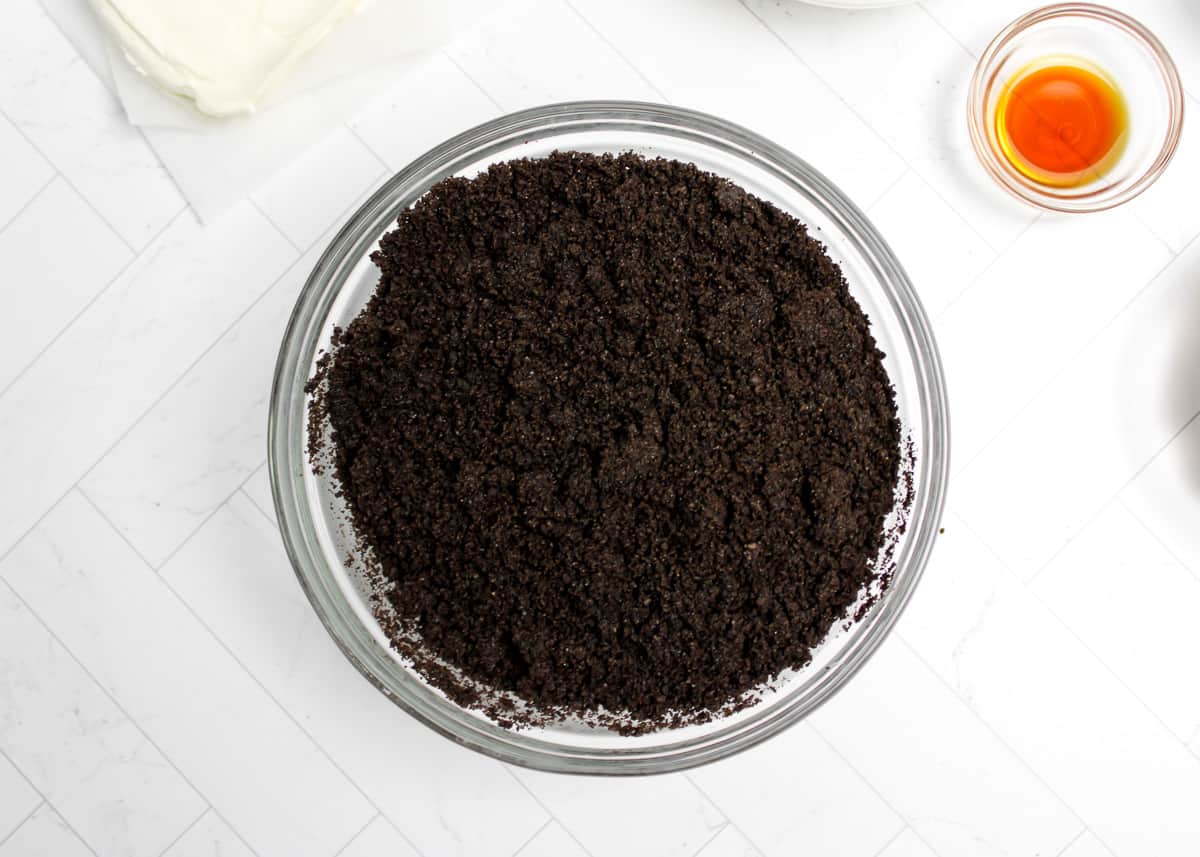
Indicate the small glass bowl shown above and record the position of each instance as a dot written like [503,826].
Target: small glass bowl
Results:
[1127,53]
[315,532]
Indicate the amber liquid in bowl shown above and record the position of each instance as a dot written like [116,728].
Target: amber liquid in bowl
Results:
[1061,122]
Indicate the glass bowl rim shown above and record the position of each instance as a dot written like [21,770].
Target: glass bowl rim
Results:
[1023,188]
[302,338]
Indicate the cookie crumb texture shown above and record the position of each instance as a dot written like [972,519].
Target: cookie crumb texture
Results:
[615,436]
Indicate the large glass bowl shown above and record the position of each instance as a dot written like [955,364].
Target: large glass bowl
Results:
[315,533]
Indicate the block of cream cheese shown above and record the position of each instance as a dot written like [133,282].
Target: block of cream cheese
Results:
[224,55]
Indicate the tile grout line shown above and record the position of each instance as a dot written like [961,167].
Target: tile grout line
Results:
[71,828]
[146,411]
[892,841]
[251,501]
[446,53]
[341,218]
[101,292]
[384,166]
[217,341]
[908,171]
[157,571]
[45,802]
[187,369]
[66,823]
[1136,214]
[1195,753]
[1154,456]
[157,568]
[1084,524]
[108,86]
[549,821]
[32,527]
[116,704]
[378,815]
[1027,586]
[1107,668]
[21,822]
[717,831]
[921,5]
[403,836]
[121,708]
[1154,534]
[4,754]
[728,819]
[88,202]
[253,203]
[112,91]
[1103,845]
[1067,847]
[240,489]
[992,730]
[29,202]
[145,137]
[905,822]
[545,809]
[612,46]
[1067,362]
[188,829]
[870,126]
[991,264]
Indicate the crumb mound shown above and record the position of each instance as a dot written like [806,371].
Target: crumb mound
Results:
[616,437]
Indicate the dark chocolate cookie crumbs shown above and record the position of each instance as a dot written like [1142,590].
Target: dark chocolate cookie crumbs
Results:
[615,435]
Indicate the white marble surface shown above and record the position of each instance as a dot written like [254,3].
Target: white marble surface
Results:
[165,690]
